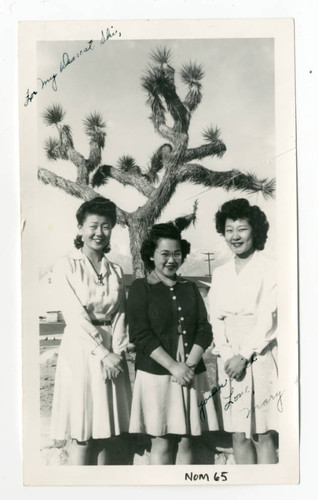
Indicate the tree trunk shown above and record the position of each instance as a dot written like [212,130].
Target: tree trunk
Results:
[138,232]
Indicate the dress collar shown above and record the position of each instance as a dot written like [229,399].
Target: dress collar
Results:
[153,279]
[253,260]
[77,254]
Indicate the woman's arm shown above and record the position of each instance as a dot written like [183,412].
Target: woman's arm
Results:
[73,311]
[266,326]
[203,336]
[119,318]
[181,371]
[140,331]
[222,347]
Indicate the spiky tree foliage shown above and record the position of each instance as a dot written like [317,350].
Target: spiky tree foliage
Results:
[171,164]
[53,115]
[191,75]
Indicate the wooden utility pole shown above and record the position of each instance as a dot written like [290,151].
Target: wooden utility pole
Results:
[209,260]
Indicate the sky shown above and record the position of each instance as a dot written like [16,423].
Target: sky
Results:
[238,97]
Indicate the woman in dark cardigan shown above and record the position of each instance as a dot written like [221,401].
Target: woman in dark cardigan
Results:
[168,324]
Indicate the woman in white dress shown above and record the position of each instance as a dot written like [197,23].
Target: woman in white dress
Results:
[243,314]
[92,393]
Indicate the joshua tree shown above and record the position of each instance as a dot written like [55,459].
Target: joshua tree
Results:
[172,164]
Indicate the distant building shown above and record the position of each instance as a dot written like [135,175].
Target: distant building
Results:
[54,316]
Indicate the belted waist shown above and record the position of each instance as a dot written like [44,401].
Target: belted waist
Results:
[101,322]
[240,320]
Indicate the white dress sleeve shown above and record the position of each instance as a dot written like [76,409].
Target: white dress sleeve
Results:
[73,311]
[266,326]
[221,347]
[119,321]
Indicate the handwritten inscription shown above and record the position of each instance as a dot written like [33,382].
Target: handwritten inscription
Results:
[202,403]
[278,397]
[67,60]
[190,476]
[233,398]
[51,79]
[29,97]
[108,34]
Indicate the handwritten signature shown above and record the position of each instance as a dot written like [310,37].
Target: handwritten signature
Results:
[278,397]
[202,403]
[233,398]
[67,60]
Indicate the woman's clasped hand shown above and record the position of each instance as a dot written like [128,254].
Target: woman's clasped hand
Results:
[235,367]
[112,366]
[182,373]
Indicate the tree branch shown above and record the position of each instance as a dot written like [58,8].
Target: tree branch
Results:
[217,149]
[185,221]
[159,82]
[104,172]
[78,191]
[95,130]
[229,180]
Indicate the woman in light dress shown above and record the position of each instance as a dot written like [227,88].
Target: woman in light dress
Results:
[92,393]
[243,315]
[168,324]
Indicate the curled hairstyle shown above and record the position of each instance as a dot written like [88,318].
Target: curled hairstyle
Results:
[241,209]
[169,231]
[96,206]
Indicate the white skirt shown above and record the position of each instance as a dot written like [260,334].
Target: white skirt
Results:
[84,404]
[161,407]
[251,405]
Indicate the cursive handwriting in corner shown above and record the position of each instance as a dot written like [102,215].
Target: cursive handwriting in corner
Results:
[202,403]
[278,397]
[108,34]
[28,97]
[51,79]
[67,60]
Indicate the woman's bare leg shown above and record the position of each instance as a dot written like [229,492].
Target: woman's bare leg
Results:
[265,449]
[161,451]
[79,452]
[185,451]
[243,448]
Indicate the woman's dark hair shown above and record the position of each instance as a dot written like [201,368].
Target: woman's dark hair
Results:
[241,209]
[96,206]
[169,231]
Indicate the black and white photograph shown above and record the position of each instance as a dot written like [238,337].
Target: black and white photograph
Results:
[159,252]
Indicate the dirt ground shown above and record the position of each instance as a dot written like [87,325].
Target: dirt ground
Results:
[213,448]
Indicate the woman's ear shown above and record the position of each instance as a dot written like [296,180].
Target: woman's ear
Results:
[151,258]
[79,229]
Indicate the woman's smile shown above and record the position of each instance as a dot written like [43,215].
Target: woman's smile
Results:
[167,257]
[239,236]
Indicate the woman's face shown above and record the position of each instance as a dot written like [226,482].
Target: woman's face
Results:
[96,232]
[167,257]
[239,237]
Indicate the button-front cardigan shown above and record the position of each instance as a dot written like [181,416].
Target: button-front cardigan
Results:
[158,314]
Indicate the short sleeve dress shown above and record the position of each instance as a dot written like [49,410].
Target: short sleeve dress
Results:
[84,404]
[173,317]
[243,313]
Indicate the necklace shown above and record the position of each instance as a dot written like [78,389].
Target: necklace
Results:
[165,281]
[100,276]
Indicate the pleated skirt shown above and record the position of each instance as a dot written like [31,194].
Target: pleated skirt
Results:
[253,404]
[84,404]
[161,406]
